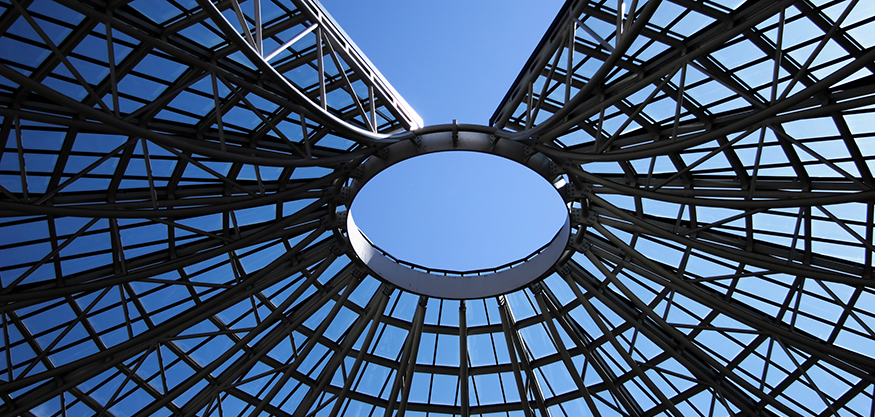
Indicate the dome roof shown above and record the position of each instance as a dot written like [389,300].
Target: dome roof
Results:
[175,179]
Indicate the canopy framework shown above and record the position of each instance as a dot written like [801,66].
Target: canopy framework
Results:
[173,238]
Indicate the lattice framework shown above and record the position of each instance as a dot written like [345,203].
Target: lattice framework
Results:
[173,196]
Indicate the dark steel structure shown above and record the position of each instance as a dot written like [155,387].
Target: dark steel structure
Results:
[174,178]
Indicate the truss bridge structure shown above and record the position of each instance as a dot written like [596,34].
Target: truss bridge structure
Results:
[176,177]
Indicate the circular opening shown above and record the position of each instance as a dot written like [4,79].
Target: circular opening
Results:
[458,211]
[439,221]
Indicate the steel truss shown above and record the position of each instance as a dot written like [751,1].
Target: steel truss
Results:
[173,241]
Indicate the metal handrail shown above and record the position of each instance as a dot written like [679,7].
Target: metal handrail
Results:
[452,272]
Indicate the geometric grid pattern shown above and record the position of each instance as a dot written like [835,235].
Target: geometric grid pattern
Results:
[725,152]
[172,239]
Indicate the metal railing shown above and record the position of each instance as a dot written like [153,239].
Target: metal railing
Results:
[456,273]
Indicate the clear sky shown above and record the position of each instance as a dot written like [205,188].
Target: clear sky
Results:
[471,208]
[450,59]
[453,59]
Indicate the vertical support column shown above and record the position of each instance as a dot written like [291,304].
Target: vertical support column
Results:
[320,58]
[404,376]
[530,104]
[19,143]
[598,133]
[520,359]
[110,52]
[547,312]
[258,34]
[245,25]
[570,67]
[373,107]
[525,363]
[621,6]
[8,354]
[153,192]
[463,359]
[386,291]
[217,103]
[680,104]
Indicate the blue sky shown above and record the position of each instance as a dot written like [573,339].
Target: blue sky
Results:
[450,59]
[475,210]
[453,60]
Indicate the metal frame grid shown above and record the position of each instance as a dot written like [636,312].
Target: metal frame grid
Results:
[173,186]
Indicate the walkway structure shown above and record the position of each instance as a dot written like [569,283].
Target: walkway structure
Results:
[174,177]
